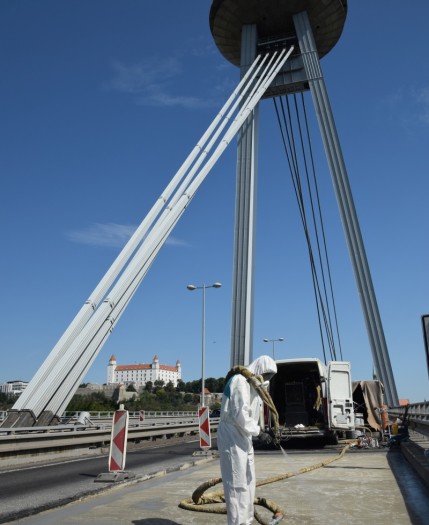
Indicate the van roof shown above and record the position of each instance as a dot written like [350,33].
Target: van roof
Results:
[299,360]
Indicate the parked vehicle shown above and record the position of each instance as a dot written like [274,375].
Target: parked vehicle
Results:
[313,400]
[368,399]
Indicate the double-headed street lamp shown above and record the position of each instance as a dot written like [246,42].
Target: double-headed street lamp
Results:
[273,341]
[203,335]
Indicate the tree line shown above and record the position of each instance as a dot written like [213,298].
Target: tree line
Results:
[156,396]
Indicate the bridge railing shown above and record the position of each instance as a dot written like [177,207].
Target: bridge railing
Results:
[417,415]
[37,441]
[148,414]
[97,415]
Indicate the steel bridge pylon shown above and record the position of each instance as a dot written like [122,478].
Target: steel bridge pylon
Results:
[50,390]
[241,28]
[239,43]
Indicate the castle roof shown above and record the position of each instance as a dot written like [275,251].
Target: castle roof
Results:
[133,367]
[168,368]
[145,367]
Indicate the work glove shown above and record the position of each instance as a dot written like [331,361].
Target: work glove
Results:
[264,437]
[275,438]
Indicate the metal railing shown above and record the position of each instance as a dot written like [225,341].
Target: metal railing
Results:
[149,414]
[98,415]
[417,415]
[30,440]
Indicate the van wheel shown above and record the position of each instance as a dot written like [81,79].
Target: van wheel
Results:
[332,438]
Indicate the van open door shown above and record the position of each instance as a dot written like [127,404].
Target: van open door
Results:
[340,396]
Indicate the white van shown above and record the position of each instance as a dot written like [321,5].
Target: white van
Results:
[313,400]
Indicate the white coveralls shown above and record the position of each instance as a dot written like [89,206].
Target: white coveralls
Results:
[239,421]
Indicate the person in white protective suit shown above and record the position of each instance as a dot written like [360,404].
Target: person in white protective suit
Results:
[239,422]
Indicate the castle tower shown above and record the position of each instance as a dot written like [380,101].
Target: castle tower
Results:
[111,367]
[155,369]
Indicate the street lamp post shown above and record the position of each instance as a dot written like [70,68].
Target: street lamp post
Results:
[273,341]
[203,287]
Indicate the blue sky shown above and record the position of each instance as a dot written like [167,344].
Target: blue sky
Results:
[101,101]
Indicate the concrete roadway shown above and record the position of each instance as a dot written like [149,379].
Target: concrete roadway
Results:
[364,486]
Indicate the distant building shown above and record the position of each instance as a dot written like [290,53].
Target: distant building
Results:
[141,374]
[13,388]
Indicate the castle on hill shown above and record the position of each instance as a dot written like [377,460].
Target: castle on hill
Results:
[141,374]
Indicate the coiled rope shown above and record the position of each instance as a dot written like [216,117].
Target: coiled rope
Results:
[256,383]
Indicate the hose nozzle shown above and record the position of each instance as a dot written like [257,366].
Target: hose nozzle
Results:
[277,518]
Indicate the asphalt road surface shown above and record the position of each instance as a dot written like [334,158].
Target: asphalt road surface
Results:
[373,486]
[28,490]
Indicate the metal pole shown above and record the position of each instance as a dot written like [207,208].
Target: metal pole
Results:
[245,217]
[203,287]
[203,346]
[280,339]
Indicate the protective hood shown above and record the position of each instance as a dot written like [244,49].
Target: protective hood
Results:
[263,365]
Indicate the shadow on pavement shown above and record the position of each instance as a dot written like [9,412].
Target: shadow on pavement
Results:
[155,521]
[413,490]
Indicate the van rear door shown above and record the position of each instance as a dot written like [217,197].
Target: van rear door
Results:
[340,396]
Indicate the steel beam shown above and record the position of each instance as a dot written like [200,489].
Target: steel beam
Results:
[245,218]
[346,206]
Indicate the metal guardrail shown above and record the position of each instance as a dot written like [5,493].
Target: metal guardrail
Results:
[417,415]
[62,437]
[147,414]
[109,415]
[101,424]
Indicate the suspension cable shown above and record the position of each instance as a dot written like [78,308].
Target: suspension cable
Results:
[322,227]
[284,131]
[328,322]
[299,196]
[289,142]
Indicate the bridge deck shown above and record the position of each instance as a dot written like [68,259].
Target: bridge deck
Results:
[364,486]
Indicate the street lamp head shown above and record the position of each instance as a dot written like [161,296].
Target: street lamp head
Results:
[193,287]
[273,341]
